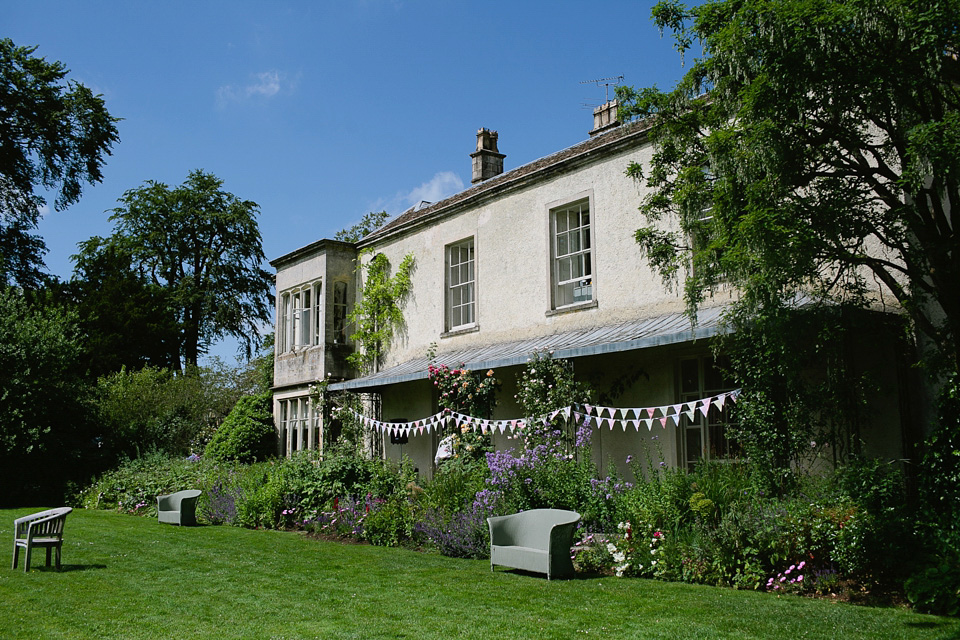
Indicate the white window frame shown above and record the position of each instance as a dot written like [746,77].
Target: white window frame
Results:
[704,437]
[300,317]
[572,256]
[461,285]
[299,425]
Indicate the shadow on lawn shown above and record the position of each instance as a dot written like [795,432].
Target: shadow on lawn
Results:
[543,576]
[73,567]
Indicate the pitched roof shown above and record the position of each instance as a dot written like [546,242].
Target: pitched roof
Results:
[584,152]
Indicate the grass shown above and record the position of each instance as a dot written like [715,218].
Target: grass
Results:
[130,577]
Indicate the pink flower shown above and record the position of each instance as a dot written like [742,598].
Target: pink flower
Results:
[799,578]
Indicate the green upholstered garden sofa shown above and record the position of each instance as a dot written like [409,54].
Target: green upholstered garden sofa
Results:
[178,508]
[536,540]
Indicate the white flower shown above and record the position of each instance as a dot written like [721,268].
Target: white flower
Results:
[611,548]
[619,556]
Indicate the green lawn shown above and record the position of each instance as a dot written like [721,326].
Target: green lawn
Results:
[130,577]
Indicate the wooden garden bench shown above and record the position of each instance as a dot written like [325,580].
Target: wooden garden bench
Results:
[43,529]
[537,540]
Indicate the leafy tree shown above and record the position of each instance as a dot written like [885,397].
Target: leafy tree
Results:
[43,400]
[202,247]
[814,149]
[370,223]
[124,316]
[53,136]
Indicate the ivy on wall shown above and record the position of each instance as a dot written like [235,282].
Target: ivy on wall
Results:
[378,313]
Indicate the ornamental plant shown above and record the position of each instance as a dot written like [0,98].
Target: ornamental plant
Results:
[544,386]
[472,394]
[635,550]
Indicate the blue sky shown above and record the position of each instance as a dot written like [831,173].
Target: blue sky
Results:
[323,111]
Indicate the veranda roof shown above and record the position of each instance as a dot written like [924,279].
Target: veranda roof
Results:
[644,333]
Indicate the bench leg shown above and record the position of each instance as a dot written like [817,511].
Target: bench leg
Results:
[58,557]
[26,559]
[16,554]
[49,549]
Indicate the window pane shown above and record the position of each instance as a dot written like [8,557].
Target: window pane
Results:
[563,269]
[689,377]
[562,245]
[564,295]
[561,221]
[575,242]
[713,378]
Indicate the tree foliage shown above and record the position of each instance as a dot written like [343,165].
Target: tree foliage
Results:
[125,318]
[248,434]
[54,136]
[201,247]
[367,225]
[44,406]
[814,149]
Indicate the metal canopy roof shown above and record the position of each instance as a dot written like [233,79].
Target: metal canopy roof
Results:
[674,328]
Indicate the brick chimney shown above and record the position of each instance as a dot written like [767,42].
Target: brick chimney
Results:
[605,117]
[487,159]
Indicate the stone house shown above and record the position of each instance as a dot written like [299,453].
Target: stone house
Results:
[540,257]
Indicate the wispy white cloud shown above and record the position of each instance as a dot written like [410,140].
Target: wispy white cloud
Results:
[262,85]
[443,184]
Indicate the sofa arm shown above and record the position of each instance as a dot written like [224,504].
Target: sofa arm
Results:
[499,530]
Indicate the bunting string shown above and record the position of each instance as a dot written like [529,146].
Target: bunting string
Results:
[599,417]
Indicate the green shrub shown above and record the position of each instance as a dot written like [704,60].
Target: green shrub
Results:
[935,588]
[262,498]
[390,522]
[134,485]
[247,434]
